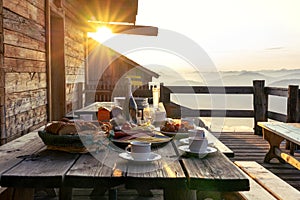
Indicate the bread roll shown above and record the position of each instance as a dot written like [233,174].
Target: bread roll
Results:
[67,129]
[54,127]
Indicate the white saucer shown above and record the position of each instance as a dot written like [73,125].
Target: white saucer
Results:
[152,157]
[186,141]
[209,150]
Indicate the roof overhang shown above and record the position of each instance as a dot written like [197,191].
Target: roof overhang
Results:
[118,15]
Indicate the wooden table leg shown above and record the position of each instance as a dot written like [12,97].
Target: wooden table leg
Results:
[23,193]
[292,149]
[65,193]
[274,142]
[180,194]
[112,194]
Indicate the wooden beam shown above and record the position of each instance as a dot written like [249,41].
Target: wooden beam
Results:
[122,28]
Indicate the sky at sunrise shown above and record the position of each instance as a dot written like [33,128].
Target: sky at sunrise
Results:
[235,34]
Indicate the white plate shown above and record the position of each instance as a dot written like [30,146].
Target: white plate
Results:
[209,150]
[186,141]
[152,157]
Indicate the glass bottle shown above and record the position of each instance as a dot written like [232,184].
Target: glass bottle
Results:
[130,104]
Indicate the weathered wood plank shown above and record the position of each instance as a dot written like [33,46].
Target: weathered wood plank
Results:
[109,170]
[87,167]
[25,122]
[23,65]
[277,116]
[38,3]
[24,101]
[214,166]
[19,82]
[256,192]
[18,52]
[17,23]
[49,169]
[277,187]
[281,92]
[21,40]
[211,89]
[27,10]
[164,173]
[13,152]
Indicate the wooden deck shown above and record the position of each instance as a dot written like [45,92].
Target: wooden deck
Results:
[245,145]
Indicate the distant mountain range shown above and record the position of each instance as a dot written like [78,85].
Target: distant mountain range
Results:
[279,78]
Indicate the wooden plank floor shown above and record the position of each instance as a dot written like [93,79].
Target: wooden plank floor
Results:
[245,145]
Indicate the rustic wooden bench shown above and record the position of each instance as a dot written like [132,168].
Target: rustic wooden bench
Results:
[275,133]
[264,184]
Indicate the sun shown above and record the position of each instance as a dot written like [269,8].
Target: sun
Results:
[103,33]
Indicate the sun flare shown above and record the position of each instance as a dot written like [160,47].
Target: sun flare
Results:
[103,33]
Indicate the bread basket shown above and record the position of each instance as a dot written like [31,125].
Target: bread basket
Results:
[68,143]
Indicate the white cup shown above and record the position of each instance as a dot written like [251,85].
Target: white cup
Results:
[197,144]
[197,133]
[139,150]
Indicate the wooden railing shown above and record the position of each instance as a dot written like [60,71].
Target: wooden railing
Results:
[260,111]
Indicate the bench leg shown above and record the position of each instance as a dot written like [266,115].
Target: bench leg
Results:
[274,142]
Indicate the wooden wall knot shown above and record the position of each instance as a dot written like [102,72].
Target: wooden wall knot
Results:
[31,74]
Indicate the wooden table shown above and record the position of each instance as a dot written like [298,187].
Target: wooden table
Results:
[26,164]
[275,133]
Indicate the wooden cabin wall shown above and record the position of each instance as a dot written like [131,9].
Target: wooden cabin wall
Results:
[23,67]
[75,63]
[2,81]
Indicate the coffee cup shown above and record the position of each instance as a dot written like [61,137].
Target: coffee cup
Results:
[199,133]
[198,144]
[139,150]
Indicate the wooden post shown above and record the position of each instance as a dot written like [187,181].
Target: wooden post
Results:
[80,95]
[260,105]
[298,111]
[292,103]
[292,110]
[165,94]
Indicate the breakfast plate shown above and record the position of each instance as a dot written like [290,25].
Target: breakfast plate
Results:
[186,141]
[153,157]
[186,149]
[156,140]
